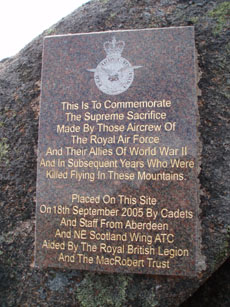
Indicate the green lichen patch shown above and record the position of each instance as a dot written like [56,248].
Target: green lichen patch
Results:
[149,299]
[222,254]
[104,1]
[141,293]
[3,149]
[194,19]
[97,290]
[50,32]
[223,250]
[112,15]
[221,14]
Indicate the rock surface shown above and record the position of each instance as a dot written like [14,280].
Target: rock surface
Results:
[23,285]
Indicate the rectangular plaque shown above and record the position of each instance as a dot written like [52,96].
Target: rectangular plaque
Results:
[117,186]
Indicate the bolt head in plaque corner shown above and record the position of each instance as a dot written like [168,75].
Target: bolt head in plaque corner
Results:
[114,74]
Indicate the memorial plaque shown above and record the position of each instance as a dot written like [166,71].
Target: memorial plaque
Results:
[117,186]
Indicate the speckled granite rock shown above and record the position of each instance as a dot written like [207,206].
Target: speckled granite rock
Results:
[20,283]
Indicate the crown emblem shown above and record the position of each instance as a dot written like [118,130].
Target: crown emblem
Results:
[114,47]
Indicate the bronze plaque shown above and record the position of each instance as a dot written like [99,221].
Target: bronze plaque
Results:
[117,186]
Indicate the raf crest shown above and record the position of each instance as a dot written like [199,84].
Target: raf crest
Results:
[114,74]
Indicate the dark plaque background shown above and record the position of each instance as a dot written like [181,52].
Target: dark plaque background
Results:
[167,72]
